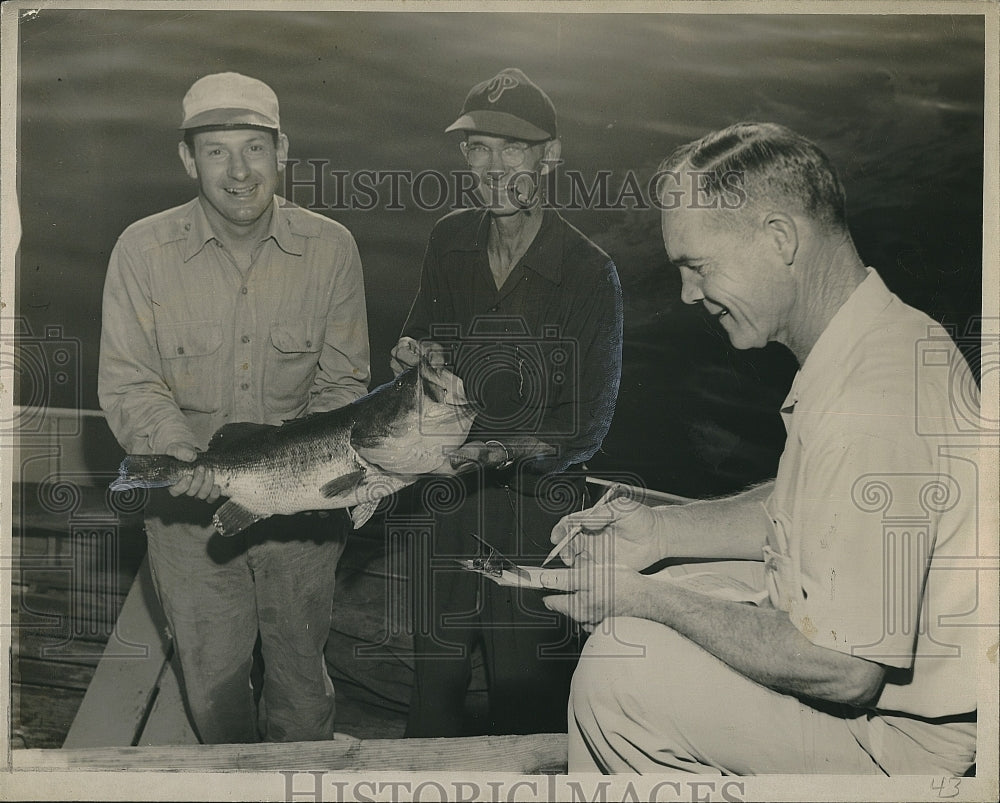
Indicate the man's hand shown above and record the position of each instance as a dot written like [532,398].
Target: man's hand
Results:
[493,453]
[597,591]
[621,531]
[200,483]
[477,453]
[408,352]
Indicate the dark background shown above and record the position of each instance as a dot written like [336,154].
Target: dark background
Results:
[896,101]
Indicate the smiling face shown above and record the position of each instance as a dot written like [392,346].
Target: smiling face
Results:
[736,273]
[509,171]
[237,172]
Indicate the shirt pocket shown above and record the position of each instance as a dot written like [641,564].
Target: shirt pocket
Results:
[189,354]
[291,363]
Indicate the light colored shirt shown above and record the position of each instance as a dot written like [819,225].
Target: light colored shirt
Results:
[190,343]
[874,514]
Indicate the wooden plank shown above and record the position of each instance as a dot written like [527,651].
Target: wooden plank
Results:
[41,715]
[119,696]
[91,615]
[97,580]
[31,644]
[168,720]
[53,674]
[28,541]
[529,754]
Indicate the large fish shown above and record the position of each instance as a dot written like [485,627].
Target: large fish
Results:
[351,457]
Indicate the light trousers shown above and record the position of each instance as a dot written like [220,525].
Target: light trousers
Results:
[276,579]
[646,699]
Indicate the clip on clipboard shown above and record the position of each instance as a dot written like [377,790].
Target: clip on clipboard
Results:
[501,569]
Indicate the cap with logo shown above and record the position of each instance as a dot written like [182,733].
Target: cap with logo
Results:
[508,105]
[230,99]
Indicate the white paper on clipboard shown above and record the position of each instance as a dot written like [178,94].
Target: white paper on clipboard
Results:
[530,576]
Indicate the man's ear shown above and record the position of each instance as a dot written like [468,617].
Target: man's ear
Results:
[553,149]
[188,159]
[282,151]
[780,228]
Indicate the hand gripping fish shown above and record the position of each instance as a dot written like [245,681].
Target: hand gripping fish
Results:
[350,457]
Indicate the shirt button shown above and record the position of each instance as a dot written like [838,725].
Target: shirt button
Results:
[180,349]
[245,366]
[243,290]
[309,344]
[245,386]
[245,338]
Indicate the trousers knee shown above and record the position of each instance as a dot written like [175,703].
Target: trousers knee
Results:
[627,661]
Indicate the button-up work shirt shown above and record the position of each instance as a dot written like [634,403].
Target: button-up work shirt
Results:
[189,342]
[541,354]
[874,518]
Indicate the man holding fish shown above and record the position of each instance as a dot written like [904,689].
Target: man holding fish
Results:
[235,307]
[837,655]
[528,312]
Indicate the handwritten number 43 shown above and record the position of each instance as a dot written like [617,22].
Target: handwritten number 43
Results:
[946,787]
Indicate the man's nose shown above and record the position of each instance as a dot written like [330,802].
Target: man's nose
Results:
[495,164]
[690,286]
[238,167]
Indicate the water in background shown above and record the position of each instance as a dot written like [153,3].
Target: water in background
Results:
[896,101]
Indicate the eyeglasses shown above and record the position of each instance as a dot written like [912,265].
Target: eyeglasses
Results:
[511,155]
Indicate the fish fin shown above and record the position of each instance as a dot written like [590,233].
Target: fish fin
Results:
[340,484]
[147,471]
[362,512]
[232,518]
[228,435]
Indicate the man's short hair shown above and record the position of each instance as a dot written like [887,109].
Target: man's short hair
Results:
[770,163]
[190,132]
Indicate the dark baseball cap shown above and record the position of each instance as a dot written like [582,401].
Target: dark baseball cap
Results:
[508,105]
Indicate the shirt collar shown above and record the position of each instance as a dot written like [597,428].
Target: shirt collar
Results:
[545,254]
[846,327]
[200,231]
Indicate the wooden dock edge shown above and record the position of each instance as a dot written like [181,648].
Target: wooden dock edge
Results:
[525,755]
[134,696]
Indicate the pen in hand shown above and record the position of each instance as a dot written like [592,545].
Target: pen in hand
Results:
[575,531]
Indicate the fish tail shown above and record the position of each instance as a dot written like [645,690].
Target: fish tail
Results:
[148,471]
